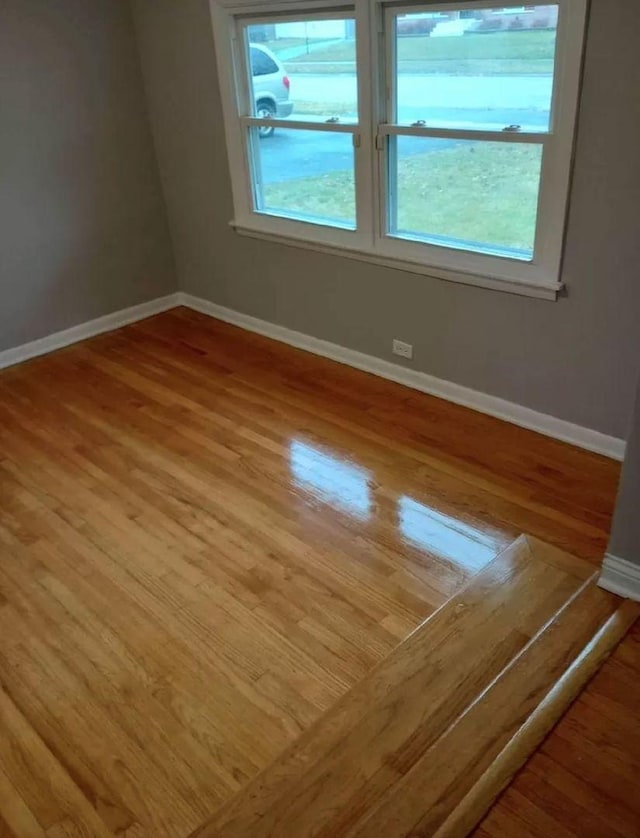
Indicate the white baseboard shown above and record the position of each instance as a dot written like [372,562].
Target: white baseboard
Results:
[87,330]
[621,577]
[517,414]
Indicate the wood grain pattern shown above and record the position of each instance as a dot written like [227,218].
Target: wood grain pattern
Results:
[583,780]
[207,538]
[402,750]
[497,775]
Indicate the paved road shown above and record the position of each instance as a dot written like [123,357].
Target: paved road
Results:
[435,90]
[453,101]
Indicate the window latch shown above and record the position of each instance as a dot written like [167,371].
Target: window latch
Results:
[512,127]
[420,123]
[333,119]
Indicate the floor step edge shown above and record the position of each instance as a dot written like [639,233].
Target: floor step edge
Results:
[521,700]
[539,724]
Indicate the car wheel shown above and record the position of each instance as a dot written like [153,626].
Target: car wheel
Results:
[265,110]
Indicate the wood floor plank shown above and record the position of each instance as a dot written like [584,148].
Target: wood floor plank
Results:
[438,781]
[389,751]
[207,539]
[575,778]
[16,818]
[42,782]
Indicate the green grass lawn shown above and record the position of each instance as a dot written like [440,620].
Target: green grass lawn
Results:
[309,108]
[483,192]
[497,53]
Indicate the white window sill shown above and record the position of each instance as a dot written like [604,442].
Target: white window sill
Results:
[537,290]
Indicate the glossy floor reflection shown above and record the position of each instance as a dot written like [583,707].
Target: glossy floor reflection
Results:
[212,537]
[339,482]
[330,479]
[445,536]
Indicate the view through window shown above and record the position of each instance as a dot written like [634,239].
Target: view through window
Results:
[468,127]
[306,173]
[473,71]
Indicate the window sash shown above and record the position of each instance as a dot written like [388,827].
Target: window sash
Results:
[254,146]
[540,264]
[388,207]
[389,14]
[362,160]
[242,63]
[390,210]
[370,241]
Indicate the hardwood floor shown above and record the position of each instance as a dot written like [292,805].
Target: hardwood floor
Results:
[207,538]
[583,781]
[422,745]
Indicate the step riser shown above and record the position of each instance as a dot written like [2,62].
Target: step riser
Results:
[530,735]
[447,771]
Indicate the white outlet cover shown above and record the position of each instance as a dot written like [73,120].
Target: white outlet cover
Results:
[404,350]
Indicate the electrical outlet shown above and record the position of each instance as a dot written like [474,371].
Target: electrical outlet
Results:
[404,350]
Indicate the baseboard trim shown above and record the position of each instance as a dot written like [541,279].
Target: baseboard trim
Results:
[500,408]
[91,328]
[493,406]
[621,577]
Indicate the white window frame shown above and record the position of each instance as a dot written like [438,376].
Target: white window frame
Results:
[539,277]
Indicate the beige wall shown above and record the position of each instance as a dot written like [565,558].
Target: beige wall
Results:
[83,229]
[576,359]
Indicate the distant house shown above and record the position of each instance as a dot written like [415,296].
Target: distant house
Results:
[446,24]
[528,17]
[315,29]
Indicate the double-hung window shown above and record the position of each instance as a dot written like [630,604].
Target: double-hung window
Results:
[434,137]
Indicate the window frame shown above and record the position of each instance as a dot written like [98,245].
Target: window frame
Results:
[370,241]
[238,119]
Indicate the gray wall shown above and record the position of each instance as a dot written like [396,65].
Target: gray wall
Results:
[625,532]
[576,359]
[83,228]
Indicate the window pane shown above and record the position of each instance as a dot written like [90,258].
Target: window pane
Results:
[305,174]
[461,193]
[486,68]
[312,69]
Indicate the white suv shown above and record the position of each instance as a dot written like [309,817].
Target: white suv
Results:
[271,87]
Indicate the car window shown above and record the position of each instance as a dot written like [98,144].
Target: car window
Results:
[261,64]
